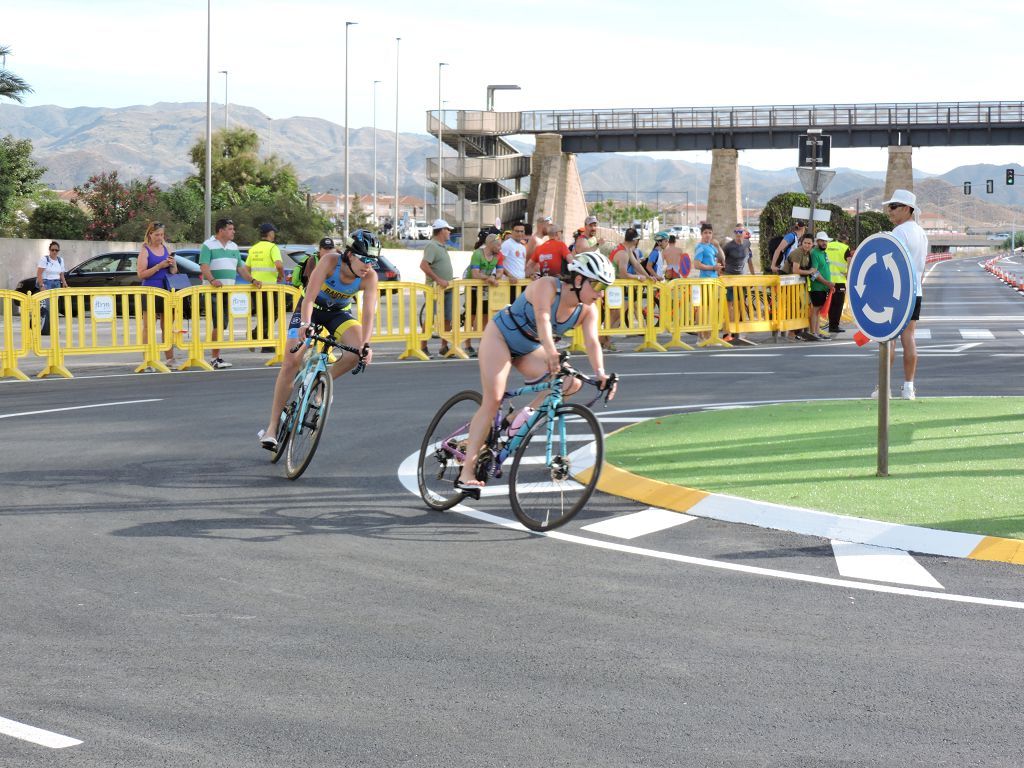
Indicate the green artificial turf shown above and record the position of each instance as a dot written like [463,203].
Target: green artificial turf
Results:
[954,463]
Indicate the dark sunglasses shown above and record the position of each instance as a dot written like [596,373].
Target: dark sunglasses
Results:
[55,250]
[158,225]
[894,206]
[599,287]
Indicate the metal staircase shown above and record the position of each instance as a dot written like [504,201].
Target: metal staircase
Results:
[486,172]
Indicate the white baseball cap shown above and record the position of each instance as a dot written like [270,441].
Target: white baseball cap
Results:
[903,197]
[823,236]
[441,224]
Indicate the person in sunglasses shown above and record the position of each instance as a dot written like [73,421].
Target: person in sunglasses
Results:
[901,209]
[523,336]
[327,301]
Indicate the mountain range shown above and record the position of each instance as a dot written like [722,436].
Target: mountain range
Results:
[153,140]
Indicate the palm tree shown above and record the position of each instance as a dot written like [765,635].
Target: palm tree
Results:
[11,86]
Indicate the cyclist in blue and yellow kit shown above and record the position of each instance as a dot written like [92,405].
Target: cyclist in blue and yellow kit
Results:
[327,302]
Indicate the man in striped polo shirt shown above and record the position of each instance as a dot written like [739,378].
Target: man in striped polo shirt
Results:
[219,261]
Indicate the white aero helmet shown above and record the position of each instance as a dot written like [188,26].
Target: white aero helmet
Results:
[593,265]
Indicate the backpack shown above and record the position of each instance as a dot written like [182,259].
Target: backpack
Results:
[773,245]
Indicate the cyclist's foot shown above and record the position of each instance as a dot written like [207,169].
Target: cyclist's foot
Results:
[267,439]
[471,488]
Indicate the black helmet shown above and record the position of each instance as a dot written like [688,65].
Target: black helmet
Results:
[368,242]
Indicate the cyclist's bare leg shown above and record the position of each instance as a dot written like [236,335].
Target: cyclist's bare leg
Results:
[495,364]
[283,385]
[352,337]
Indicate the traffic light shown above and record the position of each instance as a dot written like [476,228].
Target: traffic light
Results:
[967,187]
[1009,177]
[990,186]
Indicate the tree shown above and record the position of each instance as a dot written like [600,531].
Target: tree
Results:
[238,173]
[19,179]
[58,220]
[11,86]
[114,203]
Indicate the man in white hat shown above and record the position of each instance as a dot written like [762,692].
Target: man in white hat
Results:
[900,209]
[437,267]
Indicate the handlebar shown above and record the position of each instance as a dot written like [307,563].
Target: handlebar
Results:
[567,369]
[314,335]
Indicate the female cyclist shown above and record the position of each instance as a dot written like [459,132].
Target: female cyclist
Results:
[327,301]
[523,335]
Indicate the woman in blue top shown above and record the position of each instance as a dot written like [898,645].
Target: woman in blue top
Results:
[523,336]
[327,302]
[154,264]
[708,256]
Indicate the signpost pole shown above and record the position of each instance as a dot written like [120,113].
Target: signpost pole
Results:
[883,409]
[812,141]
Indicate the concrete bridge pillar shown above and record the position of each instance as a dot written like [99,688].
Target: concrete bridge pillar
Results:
[725,205]
[900,172]
[555,186]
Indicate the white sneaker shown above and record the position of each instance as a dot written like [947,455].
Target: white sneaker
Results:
[219,362]
[908,391]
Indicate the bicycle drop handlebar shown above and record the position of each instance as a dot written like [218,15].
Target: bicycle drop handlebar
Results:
[567,369]
[329,342]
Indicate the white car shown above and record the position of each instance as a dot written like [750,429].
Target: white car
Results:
[422,230]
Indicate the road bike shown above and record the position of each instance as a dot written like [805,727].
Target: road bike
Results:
[557,452]
[305,411]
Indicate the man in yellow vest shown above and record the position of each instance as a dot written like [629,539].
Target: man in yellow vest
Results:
[264,261]
[838,261]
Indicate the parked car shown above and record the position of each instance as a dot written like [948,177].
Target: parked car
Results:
[422,230]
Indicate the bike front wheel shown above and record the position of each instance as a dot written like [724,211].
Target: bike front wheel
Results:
[443,450]
[308,425]
[548,493]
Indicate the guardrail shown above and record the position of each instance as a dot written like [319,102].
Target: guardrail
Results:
[13,348]
[123,320]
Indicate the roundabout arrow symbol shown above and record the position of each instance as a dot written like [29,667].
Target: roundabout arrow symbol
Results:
[869,261]
[897,284]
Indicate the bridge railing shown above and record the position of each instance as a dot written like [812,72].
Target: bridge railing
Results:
[781,116]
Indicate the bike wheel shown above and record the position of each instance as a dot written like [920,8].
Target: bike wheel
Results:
[545,496]
[307,426]
[439,465]
[284,422]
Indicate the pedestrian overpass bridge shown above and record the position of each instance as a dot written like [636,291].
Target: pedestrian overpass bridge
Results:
[487,169]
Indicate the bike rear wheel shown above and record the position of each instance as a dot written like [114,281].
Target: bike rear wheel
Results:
[545,496]
[307,426]
[438,465]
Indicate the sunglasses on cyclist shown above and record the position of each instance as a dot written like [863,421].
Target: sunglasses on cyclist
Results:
[599,287]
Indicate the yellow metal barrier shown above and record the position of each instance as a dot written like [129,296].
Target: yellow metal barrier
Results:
[789,304]
[752,302]
[94,321]
[14,345]
[695,306]
[398,317]
[205,307]
[629,308]
[474,303]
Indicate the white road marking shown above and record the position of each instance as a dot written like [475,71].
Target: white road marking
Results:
[551,487]
[36,735]
[700,373]
[79,407]
[407,476]
[620,419]
[976,333]
[1021,330]
[863,561]
[650,520]
[922,333]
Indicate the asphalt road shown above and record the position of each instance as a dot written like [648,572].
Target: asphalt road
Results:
[169,599]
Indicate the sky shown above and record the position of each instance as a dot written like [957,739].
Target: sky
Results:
[287,58]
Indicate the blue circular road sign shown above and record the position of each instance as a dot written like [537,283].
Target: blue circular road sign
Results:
[882,287]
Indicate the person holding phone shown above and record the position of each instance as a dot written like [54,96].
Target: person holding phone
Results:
[155,263]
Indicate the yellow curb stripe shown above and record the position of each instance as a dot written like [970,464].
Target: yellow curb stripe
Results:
[655,493]
[1000,550]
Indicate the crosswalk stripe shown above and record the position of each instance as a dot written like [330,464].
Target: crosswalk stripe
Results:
[976,333]
[922,333]
[894,566]
[650,520]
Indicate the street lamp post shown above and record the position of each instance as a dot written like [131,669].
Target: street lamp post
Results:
[394,219]
[490,94]
[440,128]
[208,181]
[375,82]
[347,25]
[225,73]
